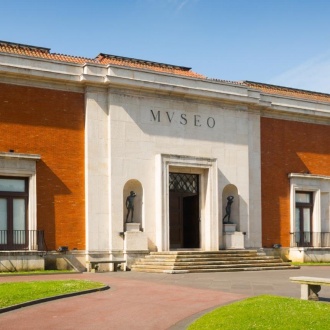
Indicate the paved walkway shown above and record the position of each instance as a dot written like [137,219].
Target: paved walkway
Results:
[152,301]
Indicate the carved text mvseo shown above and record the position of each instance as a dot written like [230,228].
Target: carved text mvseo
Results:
[181,118]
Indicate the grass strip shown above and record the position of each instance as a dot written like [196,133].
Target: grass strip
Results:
[267,312]
[37,272]
[14,293]
[310,263]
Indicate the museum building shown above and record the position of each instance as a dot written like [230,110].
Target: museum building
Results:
[115,157]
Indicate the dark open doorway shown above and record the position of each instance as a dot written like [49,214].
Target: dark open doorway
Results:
[184,211]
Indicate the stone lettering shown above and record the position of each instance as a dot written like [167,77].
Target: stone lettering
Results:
[183,120]
[210,122]
[168,116]
[197,120]
[157,117]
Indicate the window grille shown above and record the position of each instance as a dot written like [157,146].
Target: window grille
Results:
[183,182]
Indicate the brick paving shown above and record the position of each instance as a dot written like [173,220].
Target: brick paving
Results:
[152,301]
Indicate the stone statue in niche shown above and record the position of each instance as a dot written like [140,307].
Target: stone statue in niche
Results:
[130,205]
[230,200]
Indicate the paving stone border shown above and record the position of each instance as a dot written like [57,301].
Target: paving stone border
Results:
[42,300]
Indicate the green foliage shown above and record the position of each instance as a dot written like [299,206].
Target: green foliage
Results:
[19,292]
[36,272]
[310,263]
[267,312]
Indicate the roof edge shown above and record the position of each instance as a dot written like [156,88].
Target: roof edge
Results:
[136,60]
[15,44]
[282,88]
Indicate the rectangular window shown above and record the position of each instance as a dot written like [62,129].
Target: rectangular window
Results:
[12,185]
[13,212]
[303,219]
[3,221]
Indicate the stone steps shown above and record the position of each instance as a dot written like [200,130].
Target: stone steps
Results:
[205,253]
[207,270]
[211,263]
[214,261]
[214,266]
[201,260]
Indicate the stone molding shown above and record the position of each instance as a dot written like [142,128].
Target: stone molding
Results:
[24,67]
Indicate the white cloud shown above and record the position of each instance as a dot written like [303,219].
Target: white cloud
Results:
[313,75]
[180,4]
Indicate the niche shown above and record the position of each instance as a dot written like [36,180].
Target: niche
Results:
[231,190]
[136,187]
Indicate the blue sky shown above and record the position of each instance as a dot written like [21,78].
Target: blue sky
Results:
[283,42]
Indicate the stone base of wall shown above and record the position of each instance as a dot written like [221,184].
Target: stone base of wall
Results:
[71,260]
[310,254]
[282,252]
[132,256]
[21,261]
[300,254]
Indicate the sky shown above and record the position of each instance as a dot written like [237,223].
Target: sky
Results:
[280,42]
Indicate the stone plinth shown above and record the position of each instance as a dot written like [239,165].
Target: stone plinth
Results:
[132,226]
[234,240]
[229,227]
[134,239]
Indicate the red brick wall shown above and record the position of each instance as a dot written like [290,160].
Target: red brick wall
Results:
[287,147]
[50,123]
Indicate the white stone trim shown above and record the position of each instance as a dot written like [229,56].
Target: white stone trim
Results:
[308,176]
[14,155]
[207,168]
[81,75]
[23,165]
[97,170]
[317,184]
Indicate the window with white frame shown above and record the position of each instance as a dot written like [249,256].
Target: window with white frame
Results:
[303,218]
[310,210]
[18,201]
[13,212]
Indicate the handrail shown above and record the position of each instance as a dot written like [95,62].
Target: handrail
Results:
[310,239]
[18,240]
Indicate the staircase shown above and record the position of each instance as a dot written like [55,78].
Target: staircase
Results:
[176,262]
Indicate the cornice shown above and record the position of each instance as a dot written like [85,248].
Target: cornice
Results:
[14,155]
[101,76]
[308,176]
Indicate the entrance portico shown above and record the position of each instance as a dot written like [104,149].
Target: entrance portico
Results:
[184,210]
[151,136]
[170,220]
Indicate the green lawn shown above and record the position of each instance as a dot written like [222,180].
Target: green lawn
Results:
[37,272]
[19,292]
[311,263]
[267,312]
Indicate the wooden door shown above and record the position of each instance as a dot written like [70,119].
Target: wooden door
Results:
[184,221]
[184,210]
[191,221]
[176,224]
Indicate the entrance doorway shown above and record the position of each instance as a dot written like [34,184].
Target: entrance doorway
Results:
[184,210]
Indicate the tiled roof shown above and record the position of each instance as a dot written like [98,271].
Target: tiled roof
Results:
[106,59]
[149,65]
[33,51]
[40,52]
[290,92]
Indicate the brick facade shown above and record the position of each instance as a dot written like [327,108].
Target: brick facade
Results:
[287,147]
[84,131]
[50,123]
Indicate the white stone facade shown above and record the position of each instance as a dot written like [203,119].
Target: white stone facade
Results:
[141,125]
[141,136]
